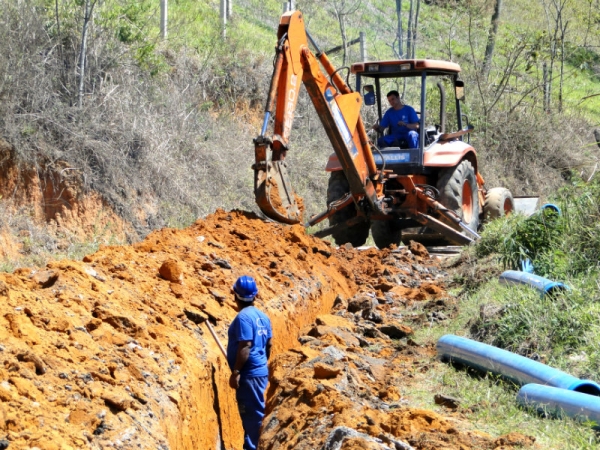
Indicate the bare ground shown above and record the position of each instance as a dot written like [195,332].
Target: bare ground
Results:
[100,353]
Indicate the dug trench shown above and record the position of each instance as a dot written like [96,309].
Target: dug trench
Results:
[101,353]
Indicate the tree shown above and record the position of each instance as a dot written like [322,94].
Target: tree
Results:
[557,28]
[491,42]
[88,9]
[411,32]
[341,9]
[399,33]
[411,29]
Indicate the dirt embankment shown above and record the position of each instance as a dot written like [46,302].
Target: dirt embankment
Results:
[53,195]
[100,354]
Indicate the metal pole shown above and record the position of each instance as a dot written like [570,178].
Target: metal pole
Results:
[163,19]
[363,46]
[229,8]
[223,12]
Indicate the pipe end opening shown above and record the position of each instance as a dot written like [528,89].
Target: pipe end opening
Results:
[556,290]
[588,388]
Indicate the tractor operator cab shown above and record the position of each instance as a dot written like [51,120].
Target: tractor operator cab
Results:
[424,85]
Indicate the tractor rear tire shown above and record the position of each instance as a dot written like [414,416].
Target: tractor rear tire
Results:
[357,234]
[459,192]
[385,233]
[499,202]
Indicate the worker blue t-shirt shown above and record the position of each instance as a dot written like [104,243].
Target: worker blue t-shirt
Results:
[392,116]
[250,325]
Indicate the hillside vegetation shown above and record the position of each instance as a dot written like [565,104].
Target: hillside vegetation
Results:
[168,125]
[559,330]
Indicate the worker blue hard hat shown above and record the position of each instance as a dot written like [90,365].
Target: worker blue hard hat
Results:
[245,288]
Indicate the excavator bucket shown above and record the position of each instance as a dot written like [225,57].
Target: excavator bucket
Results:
[274,194]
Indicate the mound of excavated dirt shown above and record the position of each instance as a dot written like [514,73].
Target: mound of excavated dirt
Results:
[101,354]
[344,387]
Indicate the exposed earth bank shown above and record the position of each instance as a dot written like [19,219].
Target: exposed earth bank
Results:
[101,353]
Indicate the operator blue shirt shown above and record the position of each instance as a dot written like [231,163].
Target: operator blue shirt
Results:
[392,116]
[250,325]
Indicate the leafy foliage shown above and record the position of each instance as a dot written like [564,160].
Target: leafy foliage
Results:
[565,244]
[525,239]
[563,327]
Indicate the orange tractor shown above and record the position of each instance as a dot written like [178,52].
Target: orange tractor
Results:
[435,188]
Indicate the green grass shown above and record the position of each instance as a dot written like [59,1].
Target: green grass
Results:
[489,403]
[562,330]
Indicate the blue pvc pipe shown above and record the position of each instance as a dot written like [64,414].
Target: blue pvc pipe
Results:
[543,285]
[517,368]
[560,402]
[551,206]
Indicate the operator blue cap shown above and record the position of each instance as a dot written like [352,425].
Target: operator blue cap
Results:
[245,288]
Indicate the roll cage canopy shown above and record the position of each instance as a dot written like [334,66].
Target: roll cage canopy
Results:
[404,68]
[413,68]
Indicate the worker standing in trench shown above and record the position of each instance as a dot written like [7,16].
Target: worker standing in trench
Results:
[248,351]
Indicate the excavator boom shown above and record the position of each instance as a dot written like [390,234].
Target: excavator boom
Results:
[339,110]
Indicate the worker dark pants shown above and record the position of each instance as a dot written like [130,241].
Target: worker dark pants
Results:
[389,140]
[251,404]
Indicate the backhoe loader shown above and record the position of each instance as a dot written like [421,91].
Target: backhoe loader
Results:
[435,189]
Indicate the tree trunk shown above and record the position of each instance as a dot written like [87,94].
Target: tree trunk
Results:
[87,17]
[546,87]
[415,26]
[562,66]
[344,40]
[399,32]
[363,46]
[491,43]
[60,47]
[223,14]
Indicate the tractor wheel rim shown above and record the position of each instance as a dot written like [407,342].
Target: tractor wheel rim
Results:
[467,202]
[508,208]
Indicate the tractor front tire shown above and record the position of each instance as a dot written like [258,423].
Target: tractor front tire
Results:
[499,202]
[357,234]
[385,233]
[459,193]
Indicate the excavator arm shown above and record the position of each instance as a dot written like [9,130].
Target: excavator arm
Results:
[337,107]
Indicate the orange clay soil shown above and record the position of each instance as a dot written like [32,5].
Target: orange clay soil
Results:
[100,354]
[54,195]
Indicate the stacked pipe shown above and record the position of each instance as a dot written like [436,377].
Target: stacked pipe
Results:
[543,387]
